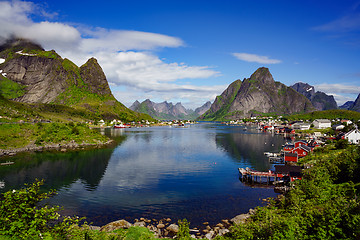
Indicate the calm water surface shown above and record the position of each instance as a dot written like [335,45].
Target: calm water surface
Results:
[154,172]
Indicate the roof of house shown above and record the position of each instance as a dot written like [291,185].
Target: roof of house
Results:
[322,120]
[306,148]
[354,130]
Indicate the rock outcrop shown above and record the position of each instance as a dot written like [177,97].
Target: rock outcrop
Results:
[255,96]
[47,78]
[320,100]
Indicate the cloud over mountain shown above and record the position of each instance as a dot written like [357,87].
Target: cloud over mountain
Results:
[248,57]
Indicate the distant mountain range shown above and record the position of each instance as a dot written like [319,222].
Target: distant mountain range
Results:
[31,75]
[168,111]
[321,101]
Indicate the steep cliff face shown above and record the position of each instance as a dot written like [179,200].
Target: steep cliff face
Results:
[320,100]
[356,105]
[94,77]
[257,95]
[43,77]
[48,78]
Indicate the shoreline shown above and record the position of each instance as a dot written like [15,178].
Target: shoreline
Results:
[60,147]
[166,228]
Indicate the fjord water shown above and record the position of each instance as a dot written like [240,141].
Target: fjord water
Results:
[155,172]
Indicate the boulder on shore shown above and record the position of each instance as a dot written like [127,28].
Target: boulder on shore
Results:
[239,219]
[173,228]
[116,225]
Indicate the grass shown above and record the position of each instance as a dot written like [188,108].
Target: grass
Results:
[10,89]
[21,135]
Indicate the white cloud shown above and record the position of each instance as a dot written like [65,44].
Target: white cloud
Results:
[145,70]
[341,99]
[347,23]
[248,57]
[122,40]
[338,88]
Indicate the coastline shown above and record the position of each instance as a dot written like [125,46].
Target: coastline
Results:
[61,147]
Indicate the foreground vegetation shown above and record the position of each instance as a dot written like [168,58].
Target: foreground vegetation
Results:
[24,216]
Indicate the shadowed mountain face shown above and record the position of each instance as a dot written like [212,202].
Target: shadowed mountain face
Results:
[168,111]
[320,100]
[255,96]
[356,105]
[45,77]
[347,105]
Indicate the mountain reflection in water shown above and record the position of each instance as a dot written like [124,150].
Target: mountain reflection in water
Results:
[154,172]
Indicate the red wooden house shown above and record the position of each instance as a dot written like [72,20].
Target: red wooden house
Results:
[301,151]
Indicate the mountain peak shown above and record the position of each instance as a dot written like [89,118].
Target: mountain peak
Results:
[263,75]
[18,44]
[93,75]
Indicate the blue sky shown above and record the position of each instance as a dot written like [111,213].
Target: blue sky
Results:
[190,51]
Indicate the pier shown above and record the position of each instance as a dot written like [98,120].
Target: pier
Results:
[257,176]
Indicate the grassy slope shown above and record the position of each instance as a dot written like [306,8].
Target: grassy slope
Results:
[40,134]
[223,113]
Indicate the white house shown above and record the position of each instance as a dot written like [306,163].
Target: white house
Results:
[321,123]
[353,136]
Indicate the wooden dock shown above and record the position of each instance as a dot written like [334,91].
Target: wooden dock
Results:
[256,176]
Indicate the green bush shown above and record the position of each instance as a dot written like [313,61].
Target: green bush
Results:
[22,215]
[184,231]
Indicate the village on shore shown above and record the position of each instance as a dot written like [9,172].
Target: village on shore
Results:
[304,137]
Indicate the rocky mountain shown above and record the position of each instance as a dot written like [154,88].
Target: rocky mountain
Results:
[31,75]
[347,105]
[201,110]
[257,95]
[167,111]
[320,100]
[356,105]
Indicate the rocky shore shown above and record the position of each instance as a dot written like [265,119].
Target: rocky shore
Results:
[166,228]
[62,147]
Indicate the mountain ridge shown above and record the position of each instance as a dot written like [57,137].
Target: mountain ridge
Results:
[320,100]
[167,110]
